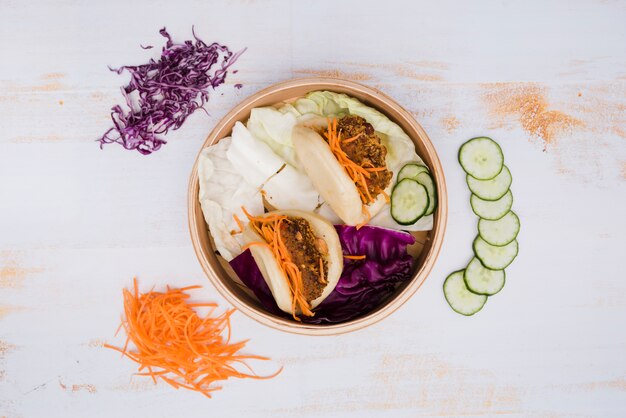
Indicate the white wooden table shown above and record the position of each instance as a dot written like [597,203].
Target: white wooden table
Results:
[77,223]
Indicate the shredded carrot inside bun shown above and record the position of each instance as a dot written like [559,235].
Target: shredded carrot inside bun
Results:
[269,227]
[175,345]
[357,173]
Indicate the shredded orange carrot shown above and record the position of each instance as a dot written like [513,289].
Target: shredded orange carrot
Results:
[368,217]
[268,227]
[238,221]
[367,190]
[372,169]
[176,345]
[387,198]
[252,244]
[355,257]
[357,173]
[354,138]
[322,278]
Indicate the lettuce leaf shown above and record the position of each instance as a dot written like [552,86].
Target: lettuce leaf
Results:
[364,284]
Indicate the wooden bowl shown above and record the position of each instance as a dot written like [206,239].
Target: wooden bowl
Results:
[426,250]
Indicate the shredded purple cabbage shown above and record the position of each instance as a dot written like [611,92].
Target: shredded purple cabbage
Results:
[364,284]
[162,94]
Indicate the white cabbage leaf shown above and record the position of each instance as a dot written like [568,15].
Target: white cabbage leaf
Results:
[223,192]
[274,128]
[260,166]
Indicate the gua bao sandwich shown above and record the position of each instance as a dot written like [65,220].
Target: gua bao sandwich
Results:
[346,163]
[299,256]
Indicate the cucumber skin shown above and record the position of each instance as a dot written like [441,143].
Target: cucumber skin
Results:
[482,262]
[471,139]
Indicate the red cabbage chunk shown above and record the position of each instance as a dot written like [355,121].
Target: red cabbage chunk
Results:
[363,285]
[163,93]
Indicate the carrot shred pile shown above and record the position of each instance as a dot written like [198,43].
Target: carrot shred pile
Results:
[179,347]
[357,173]
[268,227]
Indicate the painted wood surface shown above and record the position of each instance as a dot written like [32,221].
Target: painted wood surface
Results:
[545,79]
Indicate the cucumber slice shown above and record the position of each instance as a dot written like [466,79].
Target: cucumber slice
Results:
[481,158]
[411,170]
[427,181]
[492,209]
[500,232]
[492,257]
[492,189]
[409,202]
[481,280]
[460,299]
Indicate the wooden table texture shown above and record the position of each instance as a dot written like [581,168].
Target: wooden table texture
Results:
[546,79]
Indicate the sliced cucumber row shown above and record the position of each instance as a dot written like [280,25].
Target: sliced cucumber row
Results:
[496,245]
[407,196]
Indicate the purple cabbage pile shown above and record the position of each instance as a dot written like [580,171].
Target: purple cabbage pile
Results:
[163,93]
[363,285]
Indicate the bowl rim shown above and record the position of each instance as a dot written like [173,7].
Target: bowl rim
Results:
[419,276]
